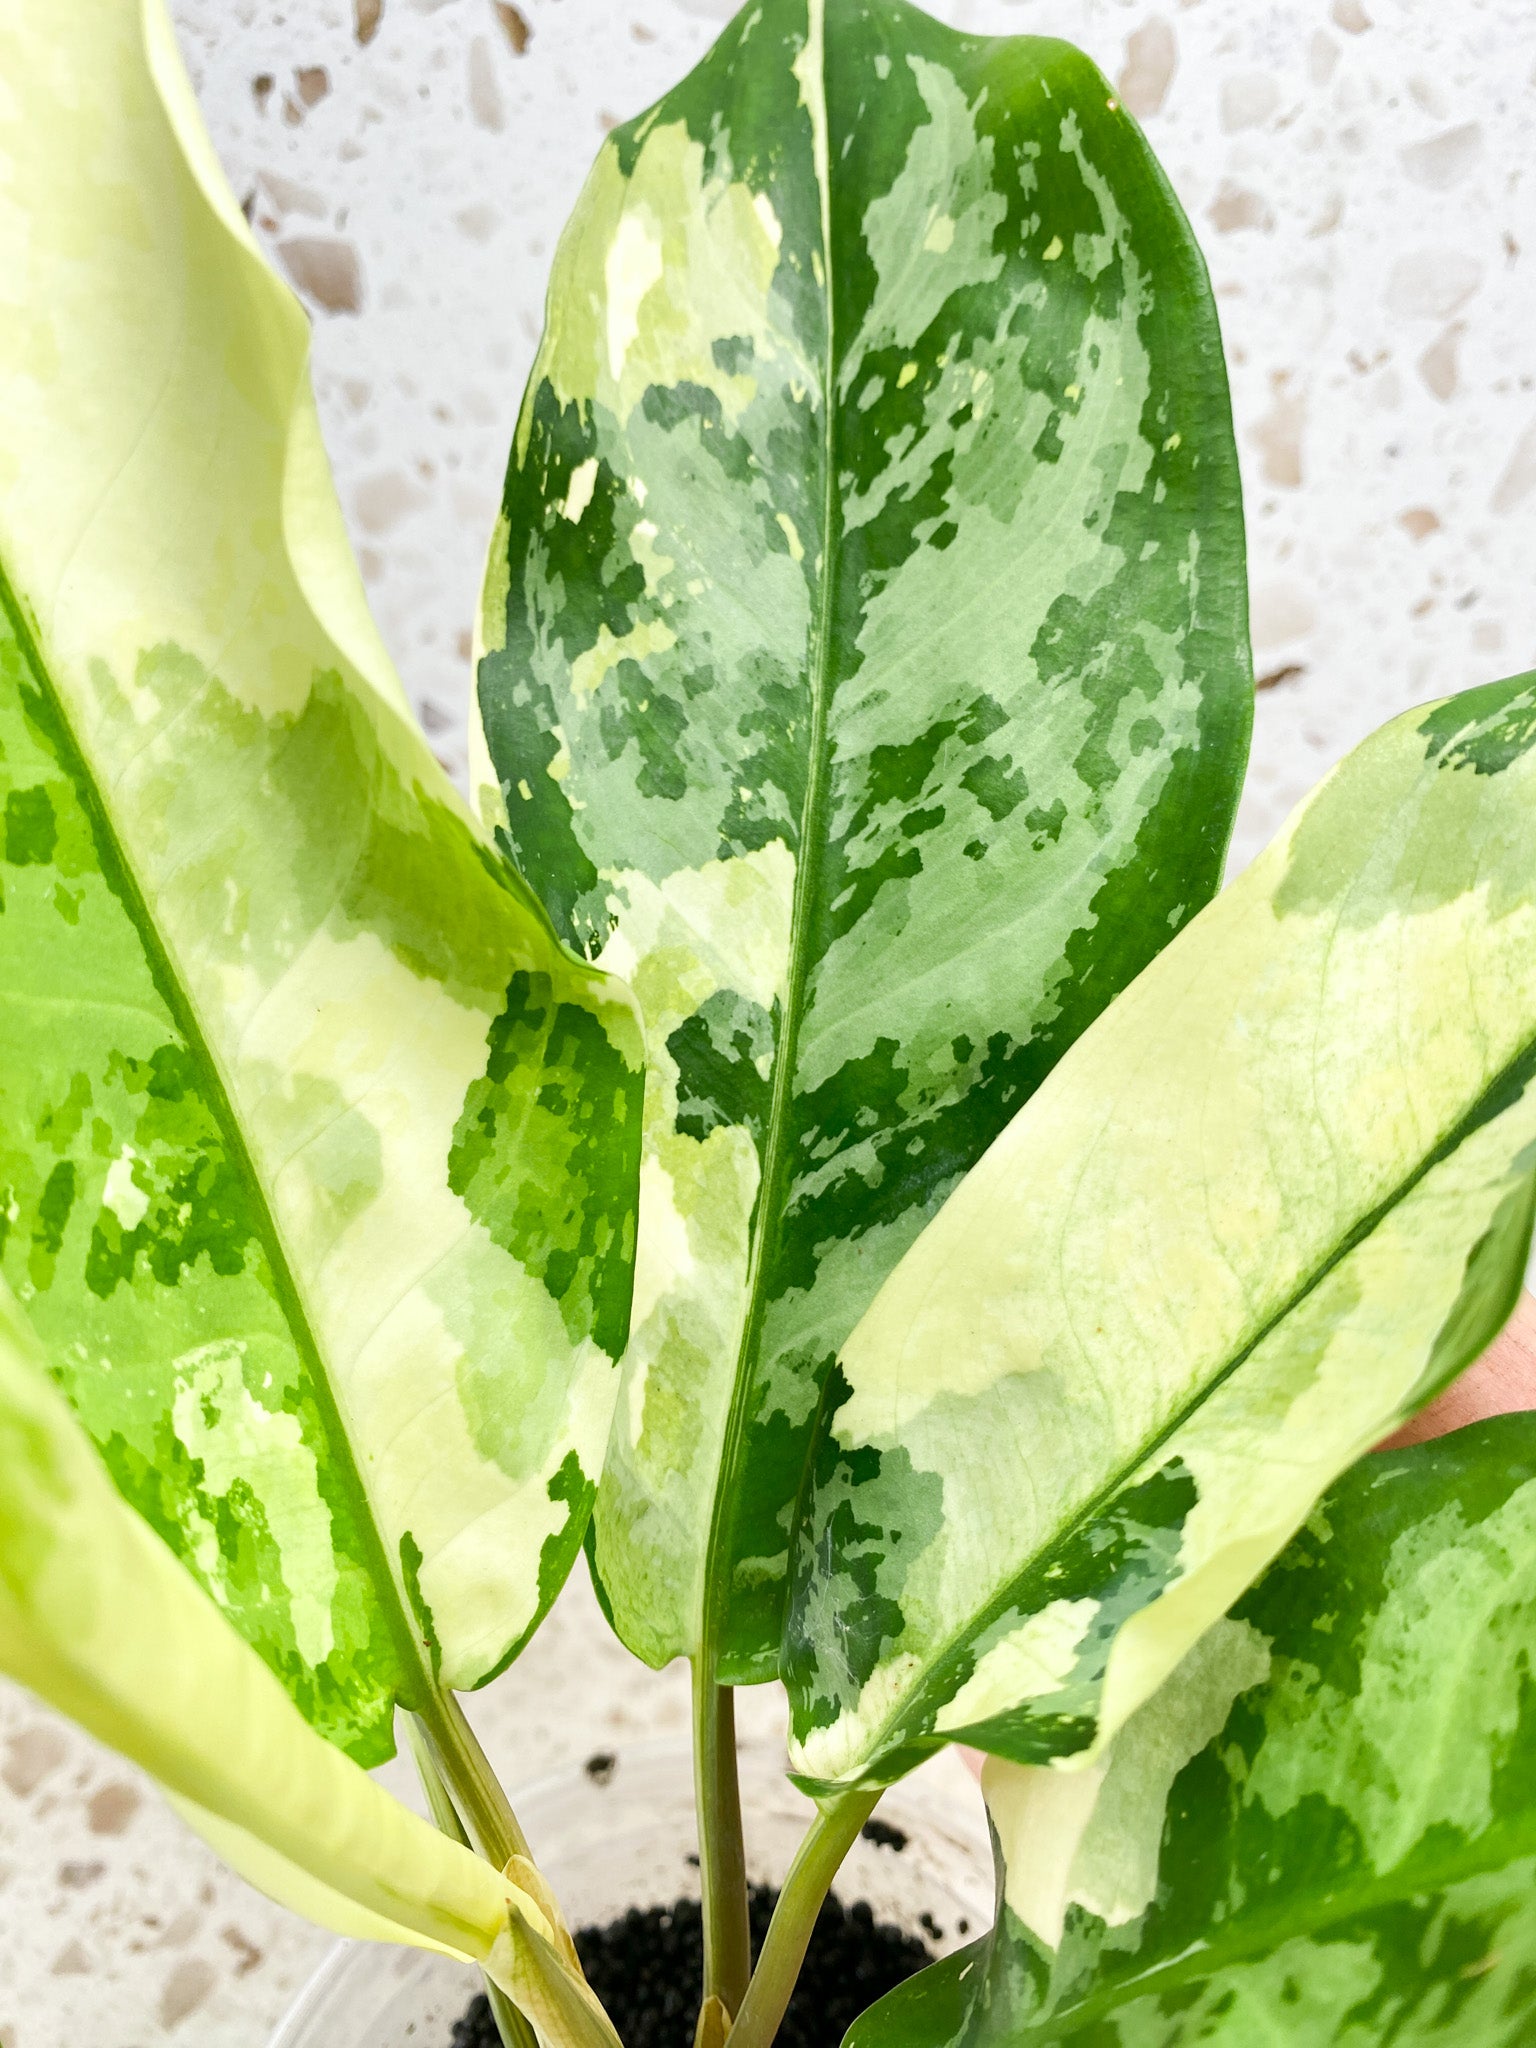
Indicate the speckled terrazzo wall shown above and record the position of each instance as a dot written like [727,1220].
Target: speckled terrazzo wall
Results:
[1361,175]
[1360,172]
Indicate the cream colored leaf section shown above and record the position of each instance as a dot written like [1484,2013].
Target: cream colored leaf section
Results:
[1027,1663]
[1321,1389]
[660,227]
[316,534]
[1091,1837]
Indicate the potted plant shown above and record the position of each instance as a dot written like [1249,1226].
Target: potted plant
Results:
[812,1131]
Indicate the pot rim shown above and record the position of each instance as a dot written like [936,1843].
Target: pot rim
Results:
[916,1803]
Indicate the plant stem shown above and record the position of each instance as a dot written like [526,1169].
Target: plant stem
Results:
[830,1836]
[722,1853]
[477,1791]
[514,2030]
[444,1812]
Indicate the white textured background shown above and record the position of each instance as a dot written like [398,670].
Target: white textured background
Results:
[1360,173]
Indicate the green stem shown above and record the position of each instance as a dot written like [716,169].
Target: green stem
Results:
[444,1813]
[830,1836]
[722,1853]
[514,2030]
[476,1790]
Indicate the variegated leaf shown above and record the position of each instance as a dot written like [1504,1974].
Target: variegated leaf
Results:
[99,1619]
[315,1148]
[1271,1202]
[1321,1831]
[865,677]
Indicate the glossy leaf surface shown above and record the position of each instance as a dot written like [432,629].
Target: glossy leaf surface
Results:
[316,1150]
[1322,1831]
[1270,1203]
[865,678]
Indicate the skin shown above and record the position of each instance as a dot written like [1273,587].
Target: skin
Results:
[1503,1382]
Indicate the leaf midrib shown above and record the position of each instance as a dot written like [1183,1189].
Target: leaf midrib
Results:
[178,1000]
[768,1212]
[900,1726]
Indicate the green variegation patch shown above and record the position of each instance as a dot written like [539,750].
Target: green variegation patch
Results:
[865,678]
[1322,1831]
[316,1150]
[1272,1202]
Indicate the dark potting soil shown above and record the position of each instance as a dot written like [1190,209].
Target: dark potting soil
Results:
[646,1968]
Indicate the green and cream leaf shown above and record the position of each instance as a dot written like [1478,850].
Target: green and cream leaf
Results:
[1322,1830]
[1270,1203]
[316,1148]
[865,677]
[101,1621]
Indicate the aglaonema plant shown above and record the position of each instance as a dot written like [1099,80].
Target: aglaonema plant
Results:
[810,1127]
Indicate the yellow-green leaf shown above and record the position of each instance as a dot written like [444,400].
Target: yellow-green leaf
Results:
[316,1149]
[1266,1207]
[99,1619]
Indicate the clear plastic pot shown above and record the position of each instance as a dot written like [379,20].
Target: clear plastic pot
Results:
[623,1836]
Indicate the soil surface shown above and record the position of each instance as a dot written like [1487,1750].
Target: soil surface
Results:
[647,1967]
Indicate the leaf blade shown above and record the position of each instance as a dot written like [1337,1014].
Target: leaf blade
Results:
[1352,1839]
[774,649]
[101,1621]
[1276,1198]
[233,1128]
